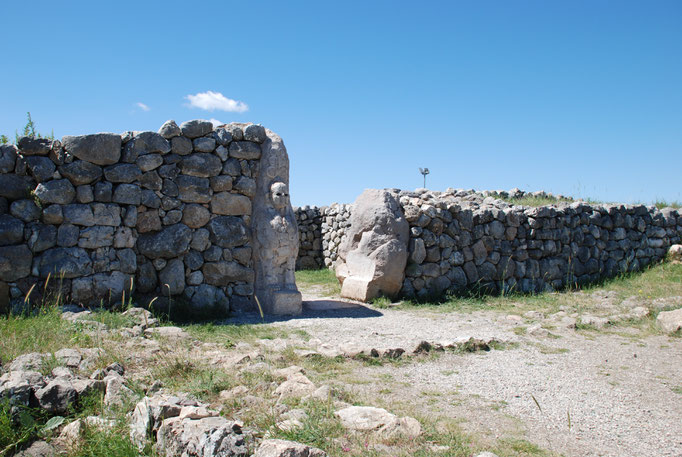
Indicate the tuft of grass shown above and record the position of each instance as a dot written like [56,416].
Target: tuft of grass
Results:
[535,201]
[318,426]
[228,335]
[660,204]
[44,332]
[324,281]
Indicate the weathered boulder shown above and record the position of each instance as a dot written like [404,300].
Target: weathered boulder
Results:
[283,448]
[201,164]
[196,128]
[15,262]
[11,230]
[204,144]
[169,129]
[41,168]
[230,204]
[374,251]
[25,209]
[31,146]
[670,321]
[255,133]
[228,231]
[675,253]
[117,394]
[59,191]
[56,396]
[207,437]
[368,418]
[193,189]
[71,262]
[122,172]
[245,150]
[222,273]
[168,243]
[8,157]
[297,385]
[14,187]
[195,216]
[80,172]
[99,148]
[172,277]
[17,386]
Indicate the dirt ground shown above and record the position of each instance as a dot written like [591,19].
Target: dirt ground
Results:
[609,392]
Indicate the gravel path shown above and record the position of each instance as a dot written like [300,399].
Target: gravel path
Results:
[623,394]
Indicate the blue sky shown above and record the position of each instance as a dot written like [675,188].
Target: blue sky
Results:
[582,98]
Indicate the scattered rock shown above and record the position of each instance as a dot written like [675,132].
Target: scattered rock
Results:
[368,418]
[670,321]
[56,396]
[282,448]
[117,394]
[297,385]
[207,437]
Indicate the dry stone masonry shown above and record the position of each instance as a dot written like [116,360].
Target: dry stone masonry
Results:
[152,213]
[462,238]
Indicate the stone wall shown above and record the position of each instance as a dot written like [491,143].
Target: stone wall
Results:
[460,239]
[156,213]
[320,233]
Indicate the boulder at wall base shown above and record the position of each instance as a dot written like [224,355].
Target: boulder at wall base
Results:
[15,262]
[374,251]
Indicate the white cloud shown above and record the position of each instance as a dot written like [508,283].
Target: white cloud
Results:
[215,122]
[142,106]
[211,101]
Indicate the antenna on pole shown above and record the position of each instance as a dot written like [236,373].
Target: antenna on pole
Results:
[424,171]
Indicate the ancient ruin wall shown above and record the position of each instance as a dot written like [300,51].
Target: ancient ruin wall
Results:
[170,211]
[457,241]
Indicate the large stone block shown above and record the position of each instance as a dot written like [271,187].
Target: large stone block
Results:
[15,262]
[193,189]
[59,191]
[245,150]
[11,230]
[13,187]
[224,273]
[169,243]
[196,128]
[374,252]
[202,165]
[80,172]
[229,204]
[99,148]
[228,231]
[71,262]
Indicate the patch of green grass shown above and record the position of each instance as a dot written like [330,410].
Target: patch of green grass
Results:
[43,332]
[319,425]
[18,426]
[381,302]
[323,281]
[659,281]
[519,447]
[228,335]
[535,201]
[661,203]
[112,319]
[96,442]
